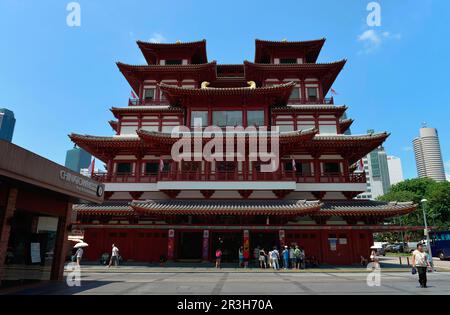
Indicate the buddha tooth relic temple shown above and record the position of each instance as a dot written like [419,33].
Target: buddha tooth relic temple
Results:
[162,207]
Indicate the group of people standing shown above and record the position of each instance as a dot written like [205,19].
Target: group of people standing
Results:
[287,258]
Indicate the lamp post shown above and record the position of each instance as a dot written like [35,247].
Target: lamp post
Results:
[424,205]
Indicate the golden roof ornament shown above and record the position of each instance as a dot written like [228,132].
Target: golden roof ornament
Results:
[205,85]
[252,85]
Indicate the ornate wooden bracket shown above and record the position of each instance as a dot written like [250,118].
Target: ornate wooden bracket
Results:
[245,193]
[281,193]
[172,193]
[207,193]
[136,195]
[108,194]
[319,195]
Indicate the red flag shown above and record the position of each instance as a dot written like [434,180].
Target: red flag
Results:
[360,166]
[333,91]
[161,165]
[133,95]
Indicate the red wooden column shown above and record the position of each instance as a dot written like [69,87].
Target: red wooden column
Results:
[171,245]
[5,227]
[62,244]
[205,248]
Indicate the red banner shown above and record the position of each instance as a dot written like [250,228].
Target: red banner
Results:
[170,245]
[246,243]
[205,255]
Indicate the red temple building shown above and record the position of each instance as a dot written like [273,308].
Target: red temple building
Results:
[158,208]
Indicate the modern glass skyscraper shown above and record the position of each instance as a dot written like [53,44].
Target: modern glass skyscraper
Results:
[427,151]
[77,159]
[377,173]
[7,123]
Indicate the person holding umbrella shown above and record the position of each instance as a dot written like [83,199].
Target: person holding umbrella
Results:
[79,253]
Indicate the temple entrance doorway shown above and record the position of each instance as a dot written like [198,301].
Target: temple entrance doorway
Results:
[229,243]
[190,246]
[266,240]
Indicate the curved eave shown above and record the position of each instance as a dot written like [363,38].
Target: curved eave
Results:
[101,146]
[118,111]
[284,138]
[239,91]
[327,72]
[105,209]
[298,136]
[310,108]
[245,208]
[344,139]
[372,209]
[345,124]
[137,73]
[114,125]
[270,95]
[313,47]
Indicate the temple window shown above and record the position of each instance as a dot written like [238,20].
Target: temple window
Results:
[327,127]
[330,168]
[255,118]
[128,127]
[295,93]
[149,94]
[171,62]
[288,60]
[124,168]
[227,118]
[302,168]
[312,93]
[169,123]
[151,168]
[305,122]
[285,123]
[199,117]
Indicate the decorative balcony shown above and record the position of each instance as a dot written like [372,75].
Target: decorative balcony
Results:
[292,101]
[219,176]
[141,102]
[310,101]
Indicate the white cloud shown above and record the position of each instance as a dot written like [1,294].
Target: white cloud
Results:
[407,149]
[157,38]
[372,39]
[448,177]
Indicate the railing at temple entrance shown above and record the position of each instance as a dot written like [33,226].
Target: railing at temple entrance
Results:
[220,176]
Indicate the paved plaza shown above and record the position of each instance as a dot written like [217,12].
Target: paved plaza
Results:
[242,283]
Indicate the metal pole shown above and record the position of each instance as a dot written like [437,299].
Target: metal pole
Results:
[424,202]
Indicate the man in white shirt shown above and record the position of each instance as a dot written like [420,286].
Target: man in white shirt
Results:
[114,256]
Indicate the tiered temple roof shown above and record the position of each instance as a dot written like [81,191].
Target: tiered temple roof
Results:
[310,49]
[248,207]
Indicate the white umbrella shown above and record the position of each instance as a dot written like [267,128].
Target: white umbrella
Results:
[81,244]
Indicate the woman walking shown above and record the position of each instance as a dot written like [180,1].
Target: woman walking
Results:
[420,263]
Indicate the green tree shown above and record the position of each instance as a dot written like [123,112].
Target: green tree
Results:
[437,194]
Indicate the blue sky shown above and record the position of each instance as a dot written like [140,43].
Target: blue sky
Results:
[59,79]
